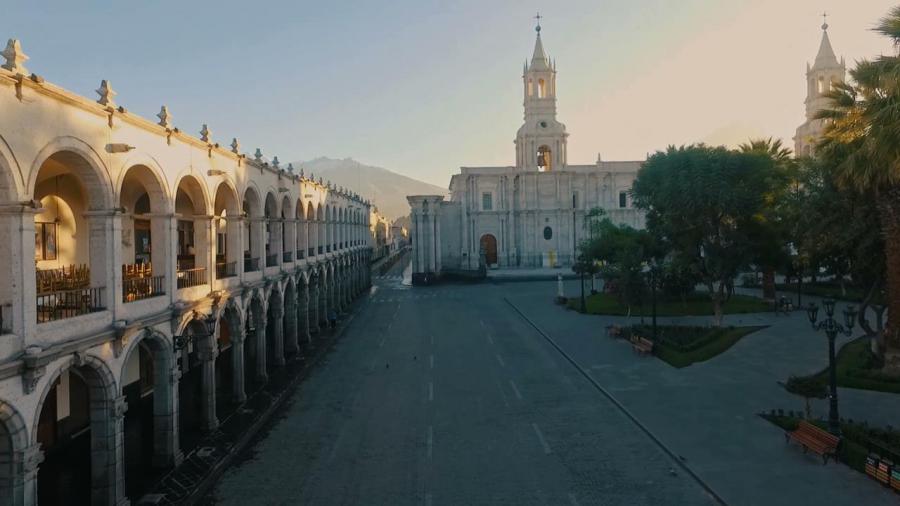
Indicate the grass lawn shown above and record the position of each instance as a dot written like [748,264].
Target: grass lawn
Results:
[696,304]
[824,289]
[858,368]
[681,346]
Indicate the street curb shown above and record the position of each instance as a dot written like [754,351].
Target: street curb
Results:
[206,484]
[621,407]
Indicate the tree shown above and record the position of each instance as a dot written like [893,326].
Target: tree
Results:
[771,253]
[623,252]
[808,387]
[707,204]
[863,133]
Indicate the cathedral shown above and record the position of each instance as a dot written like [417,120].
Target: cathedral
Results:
[530,214]
[820,77]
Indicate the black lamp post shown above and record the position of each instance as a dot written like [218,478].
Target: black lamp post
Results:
[181,342]
[575,260]
[832,328]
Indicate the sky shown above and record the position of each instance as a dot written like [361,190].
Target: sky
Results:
[422,87]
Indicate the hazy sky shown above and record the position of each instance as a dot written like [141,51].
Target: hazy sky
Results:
[422,87]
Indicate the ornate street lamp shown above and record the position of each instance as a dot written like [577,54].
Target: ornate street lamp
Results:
[832,328]
[181,342]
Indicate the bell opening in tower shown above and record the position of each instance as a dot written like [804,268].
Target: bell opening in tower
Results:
[544,159]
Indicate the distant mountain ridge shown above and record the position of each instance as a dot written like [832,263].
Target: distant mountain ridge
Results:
[386,189]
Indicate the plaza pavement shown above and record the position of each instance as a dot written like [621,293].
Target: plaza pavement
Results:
[446,395]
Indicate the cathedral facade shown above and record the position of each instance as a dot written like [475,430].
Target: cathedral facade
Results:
[531,214]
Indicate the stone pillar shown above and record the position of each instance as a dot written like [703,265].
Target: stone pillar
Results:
[323,303]
[261,375]
[290,315]
[166,445]
[25,463]
[314,306]
[18,267]
[207,354]
[105,255]
[238,335]
[303,311]
[278,337]
[107,451]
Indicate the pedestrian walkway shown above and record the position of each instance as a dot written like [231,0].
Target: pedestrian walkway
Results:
[708,412]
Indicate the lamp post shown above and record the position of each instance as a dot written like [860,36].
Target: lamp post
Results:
[181,342]
[575,254]
[650,270]
[832,328]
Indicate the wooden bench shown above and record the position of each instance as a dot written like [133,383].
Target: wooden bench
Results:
[814,439]
[641,345]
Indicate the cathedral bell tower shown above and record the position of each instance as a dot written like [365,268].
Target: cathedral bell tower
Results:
[824,73]
[541,141]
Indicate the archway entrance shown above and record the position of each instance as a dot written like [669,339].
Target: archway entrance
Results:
[489,246]
[190,388]
[77,431]
[145,379]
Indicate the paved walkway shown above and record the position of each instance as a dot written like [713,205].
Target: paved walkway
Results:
[708,411]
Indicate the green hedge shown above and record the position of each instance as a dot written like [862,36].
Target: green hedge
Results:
[681,346]
[858,367]
[695,304]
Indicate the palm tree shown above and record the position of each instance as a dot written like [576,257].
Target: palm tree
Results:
[771,241]
[863,137]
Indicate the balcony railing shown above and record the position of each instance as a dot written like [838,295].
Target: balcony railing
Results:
[287,256]
[143,288]
[191,277]
[300,254]
[226,270]
[251,264]
[312,252]
[272,260]
[63,304]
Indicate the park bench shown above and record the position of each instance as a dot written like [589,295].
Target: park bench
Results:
[641,345]
[815,439]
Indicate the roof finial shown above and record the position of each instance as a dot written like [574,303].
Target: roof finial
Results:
[538,27]
[824,21]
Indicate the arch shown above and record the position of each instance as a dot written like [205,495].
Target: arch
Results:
[88,166]
[251,204]
[96,461]
[11,179]
[542,88]
[489,245]
[191,188]
[544,158]
[226,199]
[13,445]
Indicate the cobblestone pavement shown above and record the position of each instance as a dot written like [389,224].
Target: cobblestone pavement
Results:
[446,396]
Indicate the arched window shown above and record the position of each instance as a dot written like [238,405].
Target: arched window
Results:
[821,88]
[542,88]
[548,233]
[544,159]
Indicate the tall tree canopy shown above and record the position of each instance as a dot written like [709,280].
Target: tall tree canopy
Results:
[709,204]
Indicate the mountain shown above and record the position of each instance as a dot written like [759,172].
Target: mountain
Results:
[386,189]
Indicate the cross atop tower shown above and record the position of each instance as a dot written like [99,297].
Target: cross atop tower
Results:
[538,17]
[824,20]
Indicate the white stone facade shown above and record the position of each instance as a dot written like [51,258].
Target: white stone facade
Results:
[143,233]
[531,214]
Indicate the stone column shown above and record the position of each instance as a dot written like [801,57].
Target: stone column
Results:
[25,463]
[290,315]
[278,337]
[18,267]
[313,304]
[166,445]
[261,375]
[238,335]
[107,451]
[323,303]
[207,354]
[105,254]
[303,311]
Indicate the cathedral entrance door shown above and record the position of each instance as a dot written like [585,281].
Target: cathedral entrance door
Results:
[489,246]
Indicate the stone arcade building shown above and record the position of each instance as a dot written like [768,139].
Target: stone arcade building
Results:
[522,215]
[124,242]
